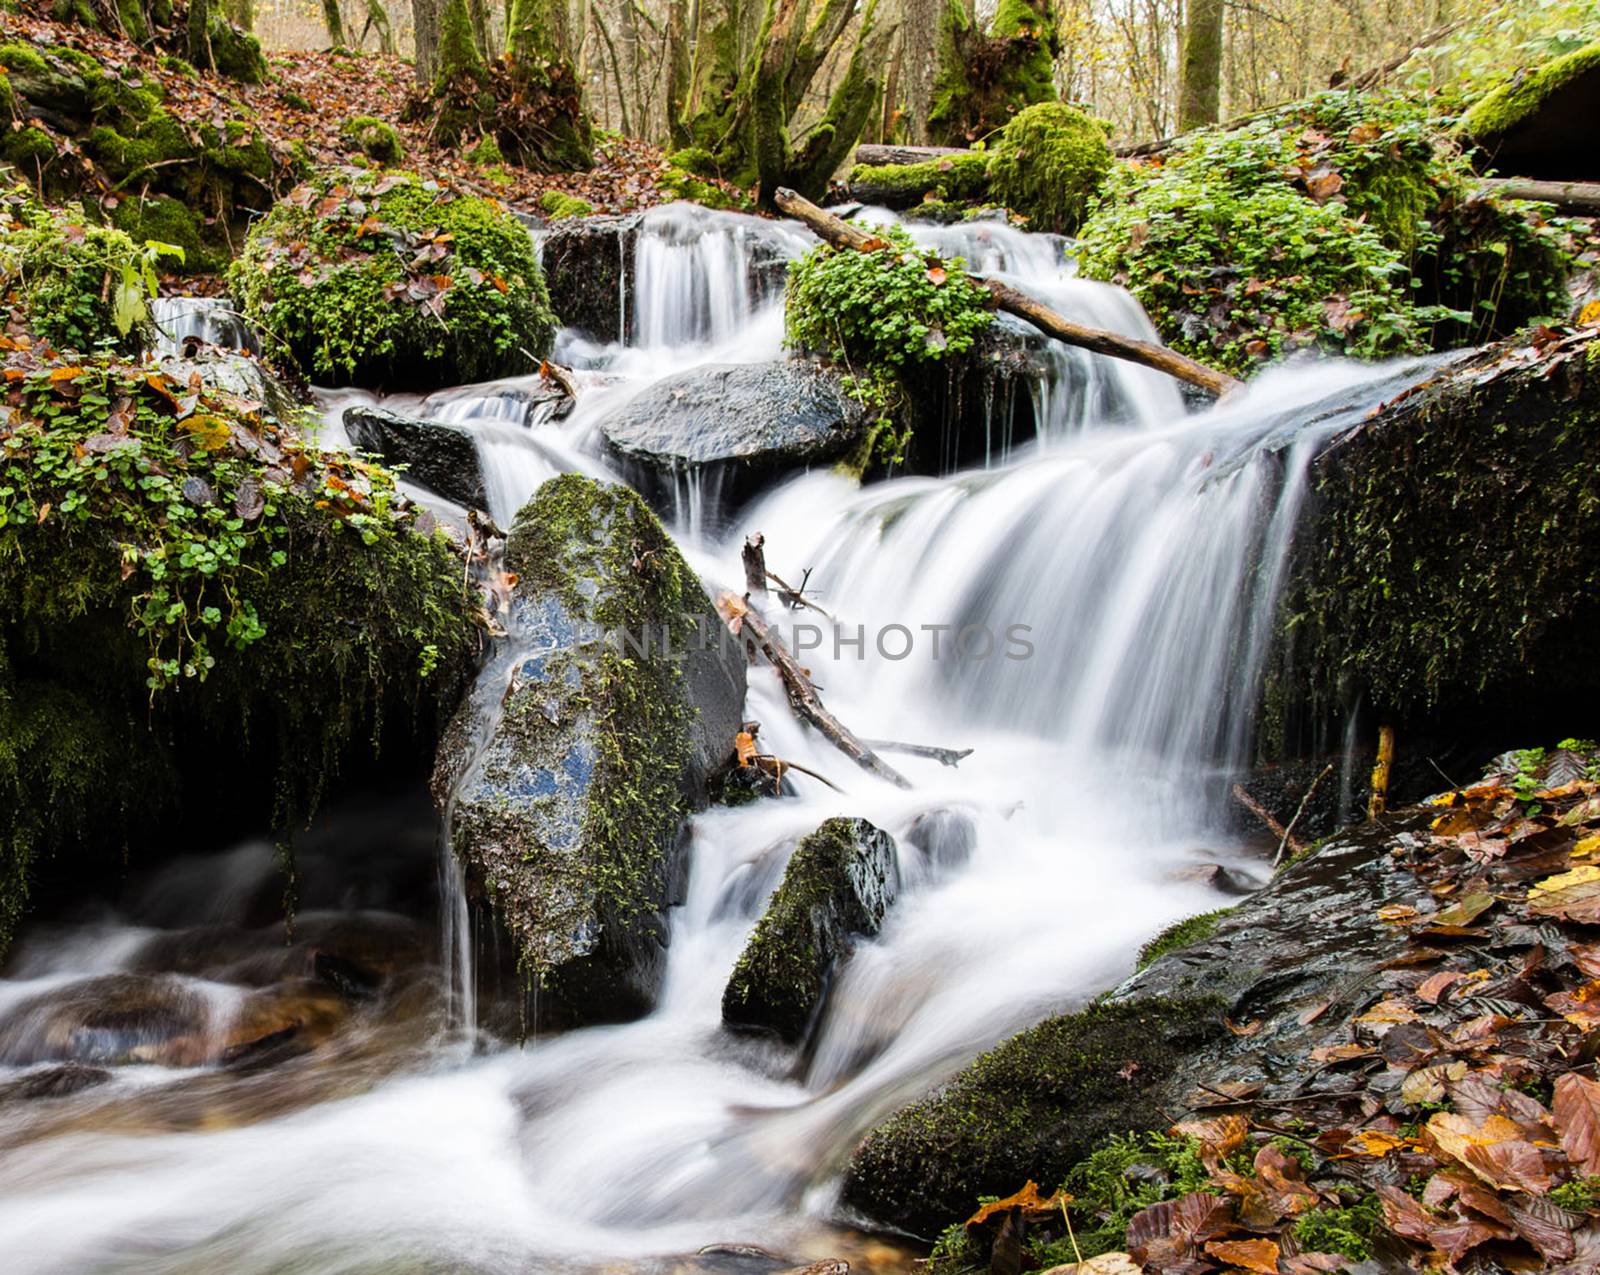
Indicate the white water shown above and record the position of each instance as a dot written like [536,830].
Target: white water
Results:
[1140,546]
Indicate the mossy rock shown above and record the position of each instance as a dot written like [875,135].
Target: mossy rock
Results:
[839,883]
[950,179]
[1030,1108]
[1541,124]
[1049,165]
[374,138]
[158,533]
[389,280]
[558,205]
[162,219]
[235,53]
[569,814]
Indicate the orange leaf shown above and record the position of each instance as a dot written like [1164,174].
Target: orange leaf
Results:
[1577,1111]
[744,744]
[936,275]
[1028,1201]
[65,373]
[1252,1255]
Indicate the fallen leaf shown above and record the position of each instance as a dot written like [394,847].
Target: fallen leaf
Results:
[1573,895]
[1576,1108]
[1495,1150]
[1027,1201]
[1169,1233]
[1404,1216]
[1251,1255]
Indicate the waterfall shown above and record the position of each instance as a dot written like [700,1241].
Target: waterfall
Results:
[1123,568]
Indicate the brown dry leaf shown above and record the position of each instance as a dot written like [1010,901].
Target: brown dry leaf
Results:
[1434,986]
[1221,1135]
[1405,1217]
[1105,1264]
[1573,895]
[1547,1227]
[1027,1201]
[1495,1150]
[873,243]
[1427,1084]
[1250,1255]
[1167,1234]
[1398,913]
[1342,1053]
[1576,1108]
[744,746]
[1389,1011]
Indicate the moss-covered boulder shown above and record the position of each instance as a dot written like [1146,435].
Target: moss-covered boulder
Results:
[958,178]
[377,139]
[558,205]
[1028,1109]
[1541,124]
[622,700]
[1448,575]
[389,280]
[203,613]
[1049,164]
[840,882]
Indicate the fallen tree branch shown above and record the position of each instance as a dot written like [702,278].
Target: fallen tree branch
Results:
[843,235]
[755,566]
[1578,197]
[1300,810]
[872,156]
[776,766]
[944,756]
[803,697]
[1265,815]
[793,597]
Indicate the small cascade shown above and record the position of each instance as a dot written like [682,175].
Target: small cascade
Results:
[211,320]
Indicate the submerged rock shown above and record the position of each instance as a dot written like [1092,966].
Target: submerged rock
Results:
[838,885]
[443,458]
[568,814]
[1158,1047]
[737,424]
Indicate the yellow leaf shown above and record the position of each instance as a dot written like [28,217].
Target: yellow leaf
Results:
[1587,848]
[744,744]
[1397,914]
[65,373]
[1590,312]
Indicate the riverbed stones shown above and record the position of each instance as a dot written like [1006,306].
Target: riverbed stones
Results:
[734,426]
[568,782]
[443,458]
[840,882]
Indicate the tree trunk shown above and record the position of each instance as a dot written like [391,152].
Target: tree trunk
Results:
[378,19]
[541,54]
[333,19]
[425,25]
[199,35]
[920,41]
[1200,91]
[242,13]
[482,27]
[678,70]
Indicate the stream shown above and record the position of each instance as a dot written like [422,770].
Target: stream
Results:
[1134,547]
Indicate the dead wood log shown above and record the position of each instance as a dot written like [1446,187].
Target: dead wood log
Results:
[1575,197]
[843,235]
[755,566]
[873,156]
[944,756]
[1265,815]
[803,697]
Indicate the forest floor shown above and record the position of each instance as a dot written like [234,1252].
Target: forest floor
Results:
[311,95]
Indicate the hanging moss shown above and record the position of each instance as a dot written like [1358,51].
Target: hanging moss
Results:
[392,280]
[1049,164]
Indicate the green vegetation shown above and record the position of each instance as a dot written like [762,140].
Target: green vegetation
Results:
[77,286]
[879,314]
[953,179]
[377,140]
[1049,165]
[387,279]
[558,204]
[985,78]
[1184,933]
[1349,1230]
[1345,223]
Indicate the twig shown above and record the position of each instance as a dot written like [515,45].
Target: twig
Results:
[944,756]
[1265,815]
[794,597]
[775,766]
[1299,810]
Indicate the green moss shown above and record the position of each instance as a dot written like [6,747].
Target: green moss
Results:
[1031,1108]
[689,186]
[985,79]
[487,153]
[1180,934]
[235,53]
[1049,164]
[374,138]
[955,178]
[1350,1230]
[558,204]
[370,291]
[162,219]
[1501,110]
[30,146]
[179,66]
[832,888]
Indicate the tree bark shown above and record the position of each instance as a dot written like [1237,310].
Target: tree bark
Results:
[333,19]
[1200,90]
[425,25]
[920,64]
[378,19]
[242,13]
[843,235]
[199,34]
[875,156]
[1582,198]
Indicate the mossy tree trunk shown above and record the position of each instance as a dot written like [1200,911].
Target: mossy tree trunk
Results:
[922,38]
[744,131]
[198,44]
[242,13]
[1200,89]
[378,20]
[984,78]
[333,19]
[544,71]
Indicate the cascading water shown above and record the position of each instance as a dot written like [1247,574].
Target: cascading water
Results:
[1135,556]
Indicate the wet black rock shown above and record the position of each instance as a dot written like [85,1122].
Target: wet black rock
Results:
[1157,1048]
[569,814]
[588,268]
[839,883]
[53,1082]
[736,426]
[945,837]
[443,458]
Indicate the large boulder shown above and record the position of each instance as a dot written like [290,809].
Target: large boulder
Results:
[386,280]
[443,458]
[588,264]
[568,809]
[1158,1046]
[736,423]
[837,887]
